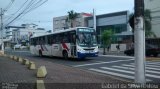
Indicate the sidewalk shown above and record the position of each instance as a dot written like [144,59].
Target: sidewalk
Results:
[121,53]
[15,75]
[59,76]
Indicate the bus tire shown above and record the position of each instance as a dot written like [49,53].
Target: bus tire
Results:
[65,55]
[40,53]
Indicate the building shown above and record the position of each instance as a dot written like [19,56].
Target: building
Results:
[10,29]
[118,22]
[60,23]
[21,34]
[153,6]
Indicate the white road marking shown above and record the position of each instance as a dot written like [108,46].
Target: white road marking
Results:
[156,63]
[146,67]
[116,56]
[129,72]
[99,61]
[149,71]
[102,63]
[155,66]
[114,74]
[153,61]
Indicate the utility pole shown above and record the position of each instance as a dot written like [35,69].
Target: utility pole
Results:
[2,43]
[94,20]
[139,36]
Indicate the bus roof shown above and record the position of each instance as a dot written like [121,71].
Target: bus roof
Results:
[60,31]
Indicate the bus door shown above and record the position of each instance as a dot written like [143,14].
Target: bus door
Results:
[73,43]
[43,46]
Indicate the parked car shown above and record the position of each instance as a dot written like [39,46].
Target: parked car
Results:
[151,50]
[17,46]
[23,47]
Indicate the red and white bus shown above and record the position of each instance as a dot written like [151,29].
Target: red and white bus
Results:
[79,42]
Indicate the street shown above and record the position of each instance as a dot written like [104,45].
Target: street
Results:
[119,67]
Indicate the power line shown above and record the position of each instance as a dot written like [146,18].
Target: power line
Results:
[9,5]
[17,10]
[34,8]
[30,5]
[20,12]
[27,9]
[37,6]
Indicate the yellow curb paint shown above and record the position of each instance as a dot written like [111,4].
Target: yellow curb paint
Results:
[20,60]
[32,66]
[42,72]
[11,56]
[40,84]
[27,62]
[1,53]
[15,58]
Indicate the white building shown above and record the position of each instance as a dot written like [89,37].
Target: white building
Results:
[153,6]
[61,23]
[21,34]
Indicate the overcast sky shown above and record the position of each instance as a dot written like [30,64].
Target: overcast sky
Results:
[43,16]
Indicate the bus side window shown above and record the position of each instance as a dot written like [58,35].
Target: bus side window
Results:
[49,39]
[31,41]
[57,39]
[65,37]
[46,40]
[72,38]
[40,41]
[35,41]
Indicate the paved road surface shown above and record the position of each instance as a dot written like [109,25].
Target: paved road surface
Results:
[115,66]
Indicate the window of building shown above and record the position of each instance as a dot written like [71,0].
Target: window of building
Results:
[56,22]
[63,21]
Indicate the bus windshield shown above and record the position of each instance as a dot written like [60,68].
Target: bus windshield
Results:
[86,37]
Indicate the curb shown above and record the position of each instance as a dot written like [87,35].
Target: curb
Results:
[40,84]
[41,72]
[31,65]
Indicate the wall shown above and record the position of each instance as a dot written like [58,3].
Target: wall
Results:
[117,21]
[122,47]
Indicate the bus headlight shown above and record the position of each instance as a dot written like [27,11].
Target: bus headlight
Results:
[81,50]
[96,49]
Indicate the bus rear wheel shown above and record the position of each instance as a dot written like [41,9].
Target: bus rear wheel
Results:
[65,55]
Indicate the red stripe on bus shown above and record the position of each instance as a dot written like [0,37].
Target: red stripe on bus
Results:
[41,48]
[65,46]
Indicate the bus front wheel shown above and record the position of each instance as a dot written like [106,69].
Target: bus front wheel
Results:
[65,55]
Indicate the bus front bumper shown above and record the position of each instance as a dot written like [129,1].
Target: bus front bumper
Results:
[83,55]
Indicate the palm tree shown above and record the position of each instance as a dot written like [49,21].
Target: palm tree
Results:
[71,17]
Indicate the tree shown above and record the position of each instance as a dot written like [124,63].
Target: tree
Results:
[148,25]
[106,37]
[71,17]
[147,20]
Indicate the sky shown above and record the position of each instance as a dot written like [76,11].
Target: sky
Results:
[43,15]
